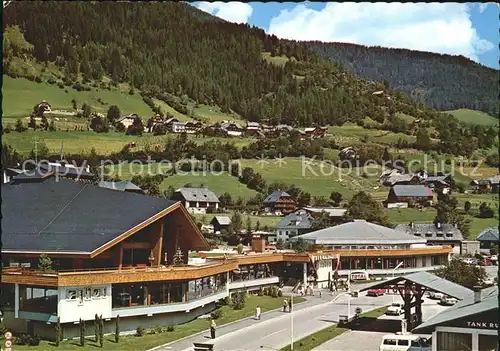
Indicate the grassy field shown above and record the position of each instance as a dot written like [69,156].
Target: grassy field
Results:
[165,108]
[265,222]
[474,117]
[317,178]
[276,60]
[33,93]
[135,343]
[214,114]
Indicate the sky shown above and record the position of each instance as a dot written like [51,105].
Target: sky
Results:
[468,29]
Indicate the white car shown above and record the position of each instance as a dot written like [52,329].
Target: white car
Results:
[448,301]
[494,258]
[395,309]
[488,282]
[436,295]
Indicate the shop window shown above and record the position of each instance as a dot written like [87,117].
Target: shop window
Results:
[96,293]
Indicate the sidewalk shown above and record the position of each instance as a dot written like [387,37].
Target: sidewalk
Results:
[187,343]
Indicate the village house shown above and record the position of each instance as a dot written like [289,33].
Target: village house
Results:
[435,234]
[127,120]
[231,129]
[178,127]
[253,128]
[402,179]
[408,195]
[387,174]
[220,223]
[347,153]
[439,183]
[43,107]
[301,221]
[196,200]
[488,185]
[279,201]
[193,127]
[488,238]
[315,132]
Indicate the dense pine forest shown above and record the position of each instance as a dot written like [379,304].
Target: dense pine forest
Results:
[443,82]
[173,48]
[165,47]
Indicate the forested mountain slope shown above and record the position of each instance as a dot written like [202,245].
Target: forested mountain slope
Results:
[167,47]
[443,82]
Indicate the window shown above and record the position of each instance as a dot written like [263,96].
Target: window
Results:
[96,293]
[104,292]
[71,294]
[88,293]
[390,342]
[403,342]
[80,296]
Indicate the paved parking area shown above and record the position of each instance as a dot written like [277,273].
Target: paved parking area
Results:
[370,341]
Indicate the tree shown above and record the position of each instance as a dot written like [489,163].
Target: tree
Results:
[117,329]
[462,273]
[321,221]
[304,199]
[257,226]
[32,122]
[87,110]
[299,245]
[58,331]
[113,114]
[336,197]
[225,200]
[19,127]
[363,206]
[10,157]
[249,227]
[485,211]
[101,331]
[236,222]
[45,123]
[136,128]
[96,327]
[99,125]
[386,156]
[423,141]
[45,263]
[280,245]
[52,126]
[467,206]
[75,104]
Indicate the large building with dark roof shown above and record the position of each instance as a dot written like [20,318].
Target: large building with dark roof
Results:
[279,201]
[406,195]
[369,245]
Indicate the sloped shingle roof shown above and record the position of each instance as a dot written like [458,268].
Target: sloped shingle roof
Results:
[198,194]
[430,228]
[222,220]
[360,232]
[275,196]
[463,308]
[295,221]
[412,191]
[67,216]
[489,234]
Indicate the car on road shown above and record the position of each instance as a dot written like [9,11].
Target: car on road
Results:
[375,292]
[469,260]
[395,309]
[435,295]
[448,301]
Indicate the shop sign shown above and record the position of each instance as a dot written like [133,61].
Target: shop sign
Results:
[360,275]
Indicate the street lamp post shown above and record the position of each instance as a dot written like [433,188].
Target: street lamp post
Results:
[393,272]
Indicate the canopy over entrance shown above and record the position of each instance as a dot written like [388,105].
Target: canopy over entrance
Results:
[412,287]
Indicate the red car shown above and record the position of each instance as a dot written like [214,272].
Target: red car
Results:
[375,292]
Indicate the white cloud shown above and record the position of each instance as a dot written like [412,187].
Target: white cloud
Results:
[436,27]
[484,5]
[237,12]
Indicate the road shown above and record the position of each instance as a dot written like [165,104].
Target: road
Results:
[276,333]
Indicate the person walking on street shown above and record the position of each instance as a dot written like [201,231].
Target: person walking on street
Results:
[257,313]
[320,293]
[285,305]
[212,329]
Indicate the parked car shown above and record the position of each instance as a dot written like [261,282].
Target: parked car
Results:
[435,295]
[471,261]
[448,301]
[488,282]
[395,309]
[375,292]
[405,342]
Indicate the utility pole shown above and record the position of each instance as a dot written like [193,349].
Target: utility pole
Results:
[291,321]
